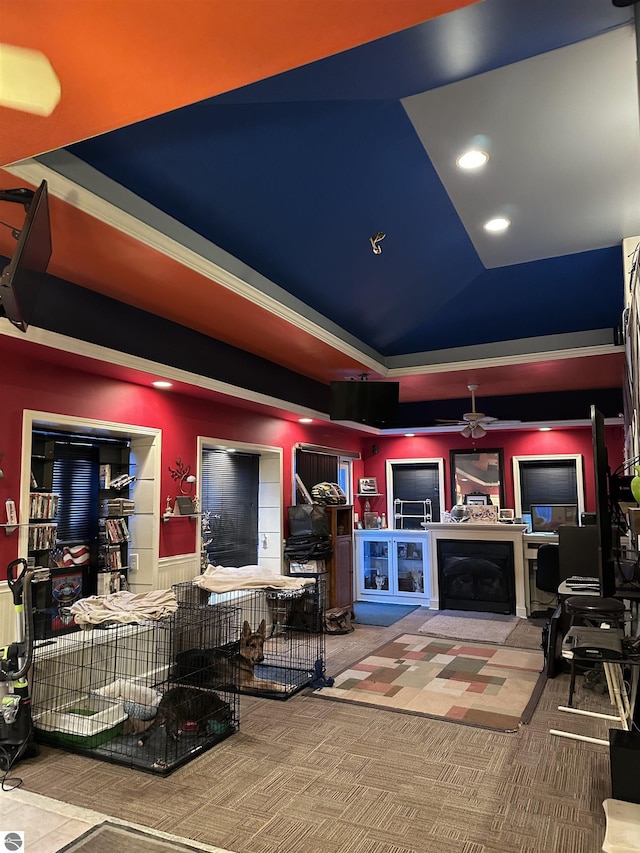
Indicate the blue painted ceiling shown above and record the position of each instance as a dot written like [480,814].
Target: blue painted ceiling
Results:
[293,174]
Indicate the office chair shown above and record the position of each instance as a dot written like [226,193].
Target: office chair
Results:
[592,612]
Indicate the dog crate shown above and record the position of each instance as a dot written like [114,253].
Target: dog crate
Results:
[115,691]
[289,628]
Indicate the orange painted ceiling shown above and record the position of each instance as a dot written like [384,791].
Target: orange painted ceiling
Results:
[121,62]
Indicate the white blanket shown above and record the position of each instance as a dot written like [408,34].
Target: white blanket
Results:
[124,607]
[228,578]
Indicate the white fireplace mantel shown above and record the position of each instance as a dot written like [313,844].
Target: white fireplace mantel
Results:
[490,532]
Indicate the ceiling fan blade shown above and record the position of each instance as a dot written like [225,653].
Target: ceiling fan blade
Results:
[449,422]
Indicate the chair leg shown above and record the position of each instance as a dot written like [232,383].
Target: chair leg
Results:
[572,683]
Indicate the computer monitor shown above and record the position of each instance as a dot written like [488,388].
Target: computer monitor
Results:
[548,518]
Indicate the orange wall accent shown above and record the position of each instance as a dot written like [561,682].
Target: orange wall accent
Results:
[121,61]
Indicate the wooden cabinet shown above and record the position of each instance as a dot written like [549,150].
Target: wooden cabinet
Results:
[340,565]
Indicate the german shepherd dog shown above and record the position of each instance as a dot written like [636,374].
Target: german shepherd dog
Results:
[250,654]
[229,667]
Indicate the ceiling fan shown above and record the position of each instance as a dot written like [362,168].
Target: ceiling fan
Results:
[473,422]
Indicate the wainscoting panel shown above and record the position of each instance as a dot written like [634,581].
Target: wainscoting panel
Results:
[7,616]
[177,569]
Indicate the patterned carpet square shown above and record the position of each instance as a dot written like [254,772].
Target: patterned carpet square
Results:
[495,687]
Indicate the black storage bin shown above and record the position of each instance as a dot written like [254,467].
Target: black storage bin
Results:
[307,520]
[624,752]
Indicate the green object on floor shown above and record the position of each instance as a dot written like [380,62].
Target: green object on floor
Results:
[635,485]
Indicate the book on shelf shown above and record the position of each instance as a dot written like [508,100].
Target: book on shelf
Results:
[105,476]
[43,505]
[42,537]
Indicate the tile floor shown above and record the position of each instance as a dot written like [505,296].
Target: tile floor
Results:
[49,825]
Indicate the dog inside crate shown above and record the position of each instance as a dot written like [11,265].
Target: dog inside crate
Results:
[278,640]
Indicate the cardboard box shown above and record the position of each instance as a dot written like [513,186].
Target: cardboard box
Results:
[312,567]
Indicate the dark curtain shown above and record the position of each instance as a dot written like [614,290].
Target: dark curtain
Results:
[315,468]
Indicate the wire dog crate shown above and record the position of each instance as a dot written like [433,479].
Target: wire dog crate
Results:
[115,691]
[283,627]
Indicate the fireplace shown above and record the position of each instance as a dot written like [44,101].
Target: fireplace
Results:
[476,574]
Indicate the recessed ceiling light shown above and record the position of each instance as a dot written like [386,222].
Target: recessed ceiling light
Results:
[497,224]
[472,159]
[545,429]
[409,434]
[305,420]
[162,384]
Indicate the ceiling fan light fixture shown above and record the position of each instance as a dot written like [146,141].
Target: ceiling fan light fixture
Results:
[467,432]
[478,431]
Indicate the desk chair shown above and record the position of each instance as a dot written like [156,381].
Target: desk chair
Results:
[603,645]
[595,635]
[591,611]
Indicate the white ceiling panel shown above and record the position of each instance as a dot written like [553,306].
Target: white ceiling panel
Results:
[562,132]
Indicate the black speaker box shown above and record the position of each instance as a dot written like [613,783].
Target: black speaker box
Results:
[624,753]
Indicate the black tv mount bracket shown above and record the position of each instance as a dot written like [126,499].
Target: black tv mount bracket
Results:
[21,195]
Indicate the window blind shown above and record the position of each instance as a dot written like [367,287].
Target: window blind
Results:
[548,481]
[229,483]
[75,480]
[417,482]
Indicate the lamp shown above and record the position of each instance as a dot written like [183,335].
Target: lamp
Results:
[474,431]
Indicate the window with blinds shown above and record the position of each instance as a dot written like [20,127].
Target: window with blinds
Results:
[417,481]
[548,481]
[229,486]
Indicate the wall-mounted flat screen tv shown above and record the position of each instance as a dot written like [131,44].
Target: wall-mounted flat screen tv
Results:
[20,279]
[371,403]
[548,518]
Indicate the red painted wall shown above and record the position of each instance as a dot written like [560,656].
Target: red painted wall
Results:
[513,443]
[32,382]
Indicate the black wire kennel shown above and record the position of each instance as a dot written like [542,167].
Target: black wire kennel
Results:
[293,647]
[114,692]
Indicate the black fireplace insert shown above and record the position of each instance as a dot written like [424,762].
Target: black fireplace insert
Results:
[476,575]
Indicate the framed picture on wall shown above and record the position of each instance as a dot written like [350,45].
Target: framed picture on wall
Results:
[367,486]
[476,474]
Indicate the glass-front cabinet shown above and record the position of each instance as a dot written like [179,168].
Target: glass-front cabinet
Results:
[392,564]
